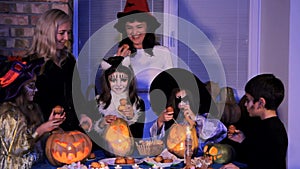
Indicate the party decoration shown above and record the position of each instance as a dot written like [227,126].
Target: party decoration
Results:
[219,153]
[176,140]
[64,147]
[118,138]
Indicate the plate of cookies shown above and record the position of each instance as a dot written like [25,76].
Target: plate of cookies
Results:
[165,159]
[121,161]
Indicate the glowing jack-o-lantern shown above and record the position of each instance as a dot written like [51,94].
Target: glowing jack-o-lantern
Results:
[67,147]
[219,153]
[118,138]
[176,140]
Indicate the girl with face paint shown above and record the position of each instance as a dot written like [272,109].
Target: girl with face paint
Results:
[20,118]
[119,98]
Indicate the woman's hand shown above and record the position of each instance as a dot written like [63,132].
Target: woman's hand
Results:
[123,50]
[85,122]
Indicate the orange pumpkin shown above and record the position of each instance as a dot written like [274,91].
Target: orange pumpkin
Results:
[219,153]
[176,140]
[67,147]
[118,138]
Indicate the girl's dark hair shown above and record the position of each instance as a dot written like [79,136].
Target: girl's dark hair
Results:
[172,101]
[105,95]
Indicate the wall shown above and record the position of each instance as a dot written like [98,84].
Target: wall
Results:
[280,39]
[18,19]
[294,83]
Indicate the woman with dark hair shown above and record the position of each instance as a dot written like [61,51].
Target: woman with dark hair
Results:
[137,26]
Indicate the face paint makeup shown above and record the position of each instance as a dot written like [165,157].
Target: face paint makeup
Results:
[30,90]
[118,82]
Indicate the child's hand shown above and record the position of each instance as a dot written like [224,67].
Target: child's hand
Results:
[57,113]
[85,122]
[128,112]
[189,115]
[166,116]
[237,136]
[49,126]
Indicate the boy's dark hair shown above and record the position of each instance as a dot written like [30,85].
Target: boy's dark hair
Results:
[266,86]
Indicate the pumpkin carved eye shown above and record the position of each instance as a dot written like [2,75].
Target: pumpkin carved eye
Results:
[67,147]
[213,151]
[219,153]
[118,138]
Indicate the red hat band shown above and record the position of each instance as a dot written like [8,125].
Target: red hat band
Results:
[11,75]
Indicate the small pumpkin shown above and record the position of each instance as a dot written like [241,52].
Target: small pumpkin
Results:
[219,153]
[118,138]
[176,140]
[66,147]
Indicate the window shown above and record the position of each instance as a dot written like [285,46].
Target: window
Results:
[204,28]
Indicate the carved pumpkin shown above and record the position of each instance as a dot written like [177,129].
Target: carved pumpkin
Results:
[118,138]
[67,147]
[219,153]
[176,140]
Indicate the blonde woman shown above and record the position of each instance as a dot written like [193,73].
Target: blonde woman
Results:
[54,84]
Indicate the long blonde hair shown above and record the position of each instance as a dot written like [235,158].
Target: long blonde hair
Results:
[44,39]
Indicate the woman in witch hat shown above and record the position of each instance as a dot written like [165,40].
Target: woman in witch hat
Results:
[137,26]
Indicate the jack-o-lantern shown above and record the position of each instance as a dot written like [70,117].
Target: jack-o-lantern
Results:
[118,138]
[219,153]
[64,147]
[176,140]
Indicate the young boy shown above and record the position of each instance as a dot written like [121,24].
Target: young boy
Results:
[267,147]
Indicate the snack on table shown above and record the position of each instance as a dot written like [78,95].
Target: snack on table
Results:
[124,160]
[95,165]
[92,156]
[129,160]
[120,160]
[161,159]
[158,159]
[167,160]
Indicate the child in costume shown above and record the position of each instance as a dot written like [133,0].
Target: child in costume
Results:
[118,97]
[21,122]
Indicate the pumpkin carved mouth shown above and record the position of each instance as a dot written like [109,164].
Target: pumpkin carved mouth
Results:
[118,138]
[67,147]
